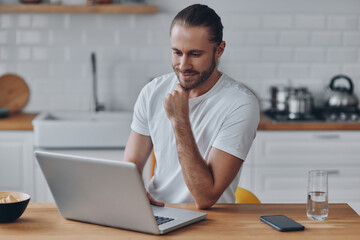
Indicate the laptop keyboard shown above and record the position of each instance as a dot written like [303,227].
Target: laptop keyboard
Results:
[162,220]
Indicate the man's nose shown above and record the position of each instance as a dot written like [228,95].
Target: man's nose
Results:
[185,63]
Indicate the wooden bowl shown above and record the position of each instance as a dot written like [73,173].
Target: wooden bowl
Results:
[9,212]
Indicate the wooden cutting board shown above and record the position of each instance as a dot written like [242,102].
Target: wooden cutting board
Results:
[14,92]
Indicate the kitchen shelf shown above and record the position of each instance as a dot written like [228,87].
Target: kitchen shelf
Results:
[52,8]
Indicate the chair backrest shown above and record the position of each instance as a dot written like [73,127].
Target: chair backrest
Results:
[241,195]
[153,162]
[244,196]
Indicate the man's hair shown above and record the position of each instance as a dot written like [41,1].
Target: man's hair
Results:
[198,15]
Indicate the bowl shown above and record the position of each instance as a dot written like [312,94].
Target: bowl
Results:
[12,205]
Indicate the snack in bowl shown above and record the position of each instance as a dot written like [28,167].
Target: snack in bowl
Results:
[9,199]
[12,205]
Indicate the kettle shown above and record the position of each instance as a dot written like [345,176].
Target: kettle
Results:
[340,97]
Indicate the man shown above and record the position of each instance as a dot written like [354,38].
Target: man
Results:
[199,121]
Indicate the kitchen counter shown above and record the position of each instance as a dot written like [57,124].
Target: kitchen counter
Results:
[224,221]
[23,121]
[267,124]
[18,121]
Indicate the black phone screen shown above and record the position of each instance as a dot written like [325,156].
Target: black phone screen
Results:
[282,223]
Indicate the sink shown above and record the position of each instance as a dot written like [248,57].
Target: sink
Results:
[82,129]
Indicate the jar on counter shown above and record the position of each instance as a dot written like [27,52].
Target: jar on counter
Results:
[299,103]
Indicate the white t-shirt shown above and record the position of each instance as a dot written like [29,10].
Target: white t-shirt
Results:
[226,117]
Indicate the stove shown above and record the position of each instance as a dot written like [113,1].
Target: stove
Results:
[341,115]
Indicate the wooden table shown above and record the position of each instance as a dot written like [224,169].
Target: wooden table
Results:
[224,221]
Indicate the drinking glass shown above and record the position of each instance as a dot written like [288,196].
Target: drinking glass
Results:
[317,207]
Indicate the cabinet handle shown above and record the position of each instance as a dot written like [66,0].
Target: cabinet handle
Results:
[333,172]
[329,136]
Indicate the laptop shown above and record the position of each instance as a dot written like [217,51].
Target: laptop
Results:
[108,193]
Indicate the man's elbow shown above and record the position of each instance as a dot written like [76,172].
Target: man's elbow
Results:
[205,204]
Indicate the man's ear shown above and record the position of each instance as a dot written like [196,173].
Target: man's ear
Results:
[220,49]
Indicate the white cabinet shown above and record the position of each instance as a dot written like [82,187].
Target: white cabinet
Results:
[16,165]
[279,161]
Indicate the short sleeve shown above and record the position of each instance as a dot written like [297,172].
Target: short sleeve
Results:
[239,129]
[140,118]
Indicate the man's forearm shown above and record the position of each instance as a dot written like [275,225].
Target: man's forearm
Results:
[197,173]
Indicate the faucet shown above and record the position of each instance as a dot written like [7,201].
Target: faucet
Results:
[97,106]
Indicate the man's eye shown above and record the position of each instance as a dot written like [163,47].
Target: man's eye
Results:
[196,54]
[178,53]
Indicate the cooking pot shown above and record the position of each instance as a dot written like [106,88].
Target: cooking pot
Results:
[341,97]
[279,95]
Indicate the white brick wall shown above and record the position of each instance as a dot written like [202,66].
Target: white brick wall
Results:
[269,42]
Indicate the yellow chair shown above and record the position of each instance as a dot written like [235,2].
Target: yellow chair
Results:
[244,196]
[241,195]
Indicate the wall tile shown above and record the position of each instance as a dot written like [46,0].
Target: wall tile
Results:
[310,21]
[115,22]
[67,70]
[352,38]
[294,38]
[66,37]
[3,37]
[352,70]
[24,21]
[160,37]
[260,70]
[234,70]
[277,54]
[326,38]
[30,69]
[100,37]
[261,38]
[4,53]
[7,21]
[31,37]
[342,55]
[83,21]
[40,20]
[80,54]
[239,22]
[234,37]
[277,21]
[24,53]
[342,22]
[3,69]
[134,37]
[292,70]
[152,54]
[310,54]
[324,71]
[245,54]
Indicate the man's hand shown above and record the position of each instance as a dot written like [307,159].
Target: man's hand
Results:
[177,105]
[155,202]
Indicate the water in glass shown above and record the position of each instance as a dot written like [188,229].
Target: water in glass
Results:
[317,206]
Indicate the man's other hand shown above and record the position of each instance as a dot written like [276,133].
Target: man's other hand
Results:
[155,202]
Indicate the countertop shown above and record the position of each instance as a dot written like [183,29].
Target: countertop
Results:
[23,121]
[18,121]
[224,221]
[267,124]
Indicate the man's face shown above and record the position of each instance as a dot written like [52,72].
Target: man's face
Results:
[194,57]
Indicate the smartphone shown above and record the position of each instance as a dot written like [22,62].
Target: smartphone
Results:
[282,223]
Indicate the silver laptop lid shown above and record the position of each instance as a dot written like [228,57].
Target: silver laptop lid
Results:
[98,191]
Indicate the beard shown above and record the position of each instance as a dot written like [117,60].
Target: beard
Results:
[202,77]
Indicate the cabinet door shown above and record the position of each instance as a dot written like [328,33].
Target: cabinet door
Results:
[16,166]
[281,160]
